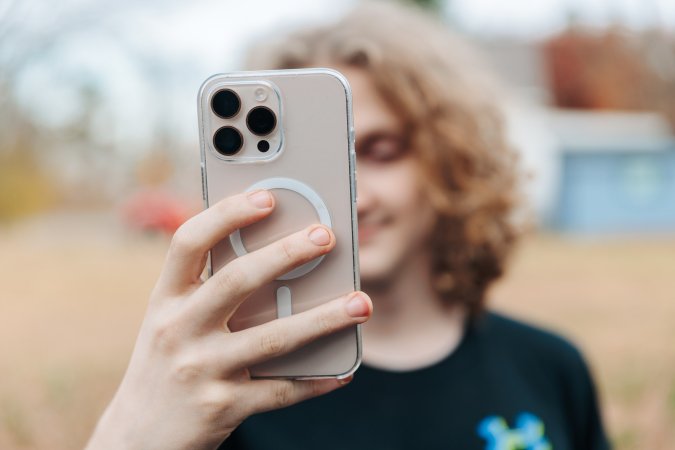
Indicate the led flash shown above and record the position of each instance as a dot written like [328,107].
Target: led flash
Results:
[260,94]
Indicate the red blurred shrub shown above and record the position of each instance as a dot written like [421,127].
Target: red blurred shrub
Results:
[155,210]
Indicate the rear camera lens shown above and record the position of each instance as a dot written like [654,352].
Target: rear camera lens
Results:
[261,120]
[225,103]
[227,141]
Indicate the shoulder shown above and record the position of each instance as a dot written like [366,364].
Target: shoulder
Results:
[542,359]
[529,344]
[494,325]
[549,363]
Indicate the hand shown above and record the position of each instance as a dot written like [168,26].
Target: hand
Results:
[187,386]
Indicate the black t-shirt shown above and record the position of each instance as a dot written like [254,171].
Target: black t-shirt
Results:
[507,386]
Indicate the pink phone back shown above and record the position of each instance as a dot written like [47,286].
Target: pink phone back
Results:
[317,151]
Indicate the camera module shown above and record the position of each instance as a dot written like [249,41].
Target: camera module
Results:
[228,141]
[225,103]
[261,120]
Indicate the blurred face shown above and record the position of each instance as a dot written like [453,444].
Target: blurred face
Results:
[395,217]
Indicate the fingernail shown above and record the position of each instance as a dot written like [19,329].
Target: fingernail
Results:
[346,380]
[319,236]
[261,199]
[358,306]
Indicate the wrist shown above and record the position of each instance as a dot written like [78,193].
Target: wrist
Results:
[125,428]
[113,432]
[106,438]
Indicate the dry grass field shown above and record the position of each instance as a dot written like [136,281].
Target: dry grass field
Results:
[73,290]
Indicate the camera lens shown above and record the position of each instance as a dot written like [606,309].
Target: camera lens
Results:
[225,103]
[227,141]
[261,120]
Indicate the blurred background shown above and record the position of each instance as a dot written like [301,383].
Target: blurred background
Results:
[99,163]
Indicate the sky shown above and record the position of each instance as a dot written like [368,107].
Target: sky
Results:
[150,57]
[537,18]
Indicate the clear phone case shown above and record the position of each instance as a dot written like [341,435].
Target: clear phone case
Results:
[308,163]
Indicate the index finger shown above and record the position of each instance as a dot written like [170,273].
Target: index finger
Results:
[190,244]
[217,299]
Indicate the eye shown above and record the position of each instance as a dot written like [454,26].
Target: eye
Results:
[382,148]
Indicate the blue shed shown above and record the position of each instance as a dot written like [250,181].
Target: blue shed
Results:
[617,174]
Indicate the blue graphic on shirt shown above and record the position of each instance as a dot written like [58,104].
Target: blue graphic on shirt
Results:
[528,433]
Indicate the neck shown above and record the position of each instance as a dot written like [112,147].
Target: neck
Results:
[411,326]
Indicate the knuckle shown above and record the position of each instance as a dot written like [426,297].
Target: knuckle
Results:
[315,388]
[289,250]
[215,403]
[231,278]
[187,371]
[272,344]
[188,366]
[325,324]
[283,394]
[183,240]
[226,205]
[165,337]
[211,409]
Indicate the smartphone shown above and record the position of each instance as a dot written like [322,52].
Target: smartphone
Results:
[289,131]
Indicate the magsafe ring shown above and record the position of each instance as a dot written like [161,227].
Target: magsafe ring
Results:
[311,196]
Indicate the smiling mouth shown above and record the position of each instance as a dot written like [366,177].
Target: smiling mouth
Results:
[366,233]
[368,230]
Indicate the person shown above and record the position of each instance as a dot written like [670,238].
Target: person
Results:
[437,190]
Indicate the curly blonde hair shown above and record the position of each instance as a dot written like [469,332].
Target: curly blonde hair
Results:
[437,86]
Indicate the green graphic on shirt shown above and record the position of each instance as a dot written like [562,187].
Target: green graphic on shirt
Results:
[528,433]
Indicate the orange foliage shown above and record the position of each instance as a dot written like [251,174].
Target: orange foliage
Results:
[24,188]
[610,70]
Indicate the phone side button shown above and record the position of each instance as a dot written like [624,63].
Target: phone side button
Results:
[352,159]
[203,183]
[356,189]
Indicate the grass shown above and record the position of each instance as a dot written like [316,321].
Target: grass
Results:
[74,290]
[15,422]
